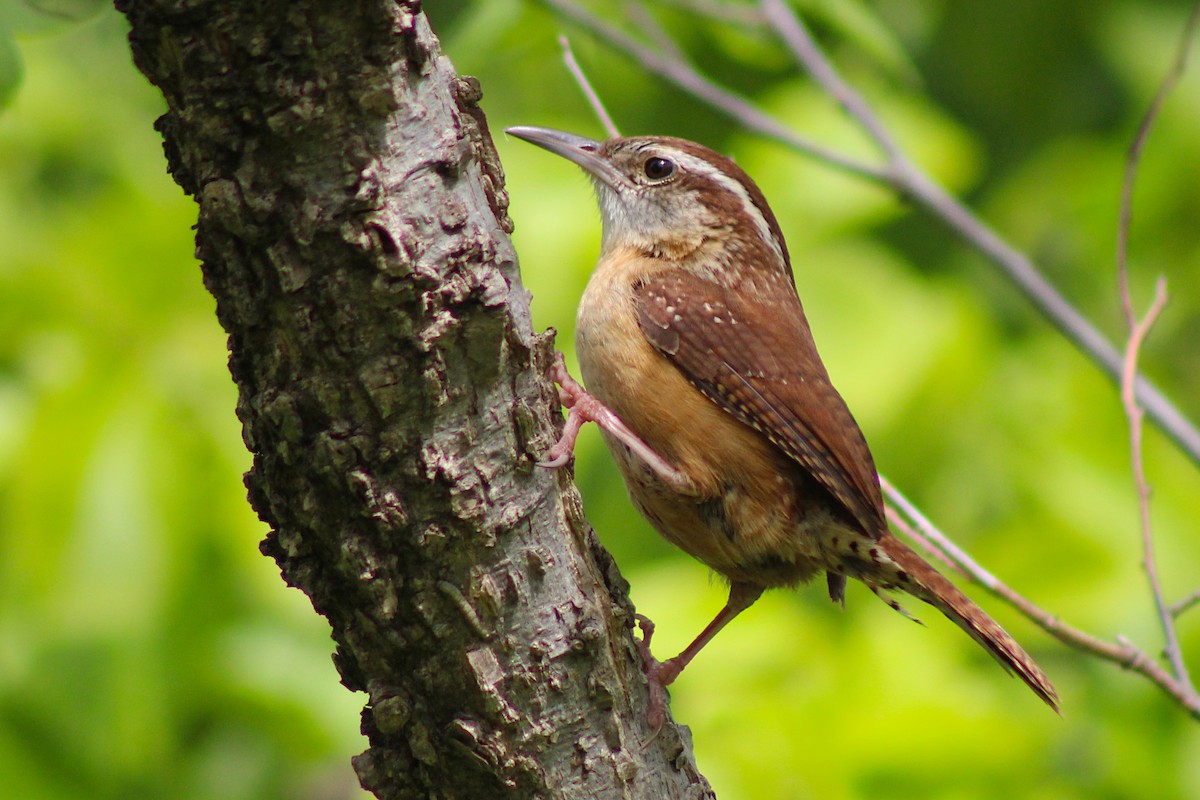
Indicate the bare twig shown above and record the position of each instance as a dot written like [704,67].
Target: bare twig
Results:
[650,25]
[1139,142]
[1186,603]
[796,36]
[1133,412]
[1138,330]
[932,539]
[910,181]
[1123,653]
[725,12]
[586,86]
[691,81]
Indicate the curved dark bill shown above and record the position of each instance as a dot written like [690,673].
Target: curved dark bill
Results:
[579,149]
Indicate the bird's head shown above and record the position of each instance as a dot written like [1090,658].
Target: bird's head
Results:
[669,197]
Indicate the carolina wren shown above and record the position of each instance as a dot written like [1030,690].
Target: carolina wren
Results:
[702,373]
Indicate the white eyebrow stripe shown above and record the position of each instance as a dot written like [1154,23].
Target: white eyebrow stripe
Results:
[701,167]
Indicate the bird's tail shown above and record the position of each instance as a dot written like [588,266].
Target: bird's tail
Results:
[917,577]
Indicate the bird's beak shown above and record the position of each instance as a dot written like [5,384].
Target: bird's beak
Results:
[584,152]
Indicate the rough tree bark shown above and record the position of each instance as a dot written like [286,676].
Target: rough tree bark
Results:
[353,231]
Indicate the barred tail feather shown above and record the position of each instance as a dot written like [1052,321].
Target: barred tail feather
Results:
[915,576]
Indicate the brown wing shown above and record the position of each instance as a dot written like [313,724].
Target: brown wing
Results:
[751,353]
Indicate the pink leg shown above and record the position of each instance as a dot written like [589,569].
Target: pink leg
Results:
[585,408]
[582,407]
[662,674]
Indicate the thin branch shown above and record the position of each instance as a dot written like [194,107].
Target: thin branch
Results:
[650,25]
[1122,653]
[723,12]
[687,78]
[1138,331]
[796,36]
[1139,142]
[933,539]
[1177,609]
[586,86]
[909,181]
[1137,335]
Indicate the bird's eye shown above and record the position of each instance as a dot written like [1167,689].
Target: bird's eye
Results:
[659,169]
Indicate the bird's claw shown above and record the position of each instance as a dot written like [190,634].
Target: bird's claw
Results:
[659,675]
[581,407]
[555,460]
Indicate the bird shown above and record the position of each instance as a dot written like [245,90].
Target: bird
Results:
[701,371]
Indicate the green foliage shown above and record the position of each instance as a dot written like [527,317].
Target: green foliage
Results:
[10,66]
[26,17]
[148,650]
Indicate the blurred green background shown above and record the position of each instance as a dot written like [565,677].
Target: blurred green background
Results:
[147,650]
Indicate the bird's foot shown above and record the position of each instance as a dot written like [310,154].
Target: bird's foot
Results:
[659,675]
[582,407]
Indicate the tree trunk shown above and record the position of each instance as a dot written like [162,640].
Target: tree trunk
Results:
[353,231]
